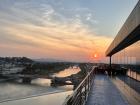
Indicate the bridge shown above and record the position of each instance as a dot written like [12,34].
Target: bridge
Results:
[27,78]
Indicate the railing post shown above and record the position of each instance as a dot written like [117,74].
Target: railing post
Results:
[80,96]
[85,89]
[88,83]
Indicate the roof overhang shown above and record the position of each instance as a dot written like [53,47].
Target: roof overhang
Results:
[128,34]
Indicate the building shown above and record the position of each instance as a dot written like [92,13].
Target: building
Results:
[125,48]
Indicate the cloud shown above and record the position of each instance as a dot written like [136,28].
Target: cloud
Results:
[51,31]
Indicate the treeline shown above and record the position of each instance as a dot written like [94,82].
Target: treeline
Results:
[15,60]
[46,68]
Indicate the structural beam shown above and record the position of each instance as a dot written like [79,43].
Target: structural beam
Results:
[128,34]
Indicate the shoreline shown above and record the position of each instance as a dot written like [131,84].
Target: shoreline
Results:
[32,96]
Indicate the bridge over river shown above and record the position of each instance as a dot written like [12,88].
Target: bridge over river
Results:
[27,78]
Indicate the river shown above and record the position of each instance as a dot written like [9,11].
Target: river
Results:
[39,89]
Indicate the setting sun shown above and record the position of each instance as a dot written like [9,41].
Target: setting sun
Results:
[95,55]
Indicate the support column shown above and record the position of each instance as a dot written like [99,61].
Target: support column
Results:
[110,66]
[110,62]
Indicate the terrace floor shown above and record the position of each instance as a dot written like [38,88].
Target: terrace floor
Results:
[104,92]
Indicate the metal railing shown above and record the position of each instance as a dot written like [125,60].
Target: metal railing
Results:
[80,94]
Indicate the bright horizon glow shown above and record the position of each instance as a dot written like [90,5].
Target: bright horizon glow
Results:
[69,30]
[95,55]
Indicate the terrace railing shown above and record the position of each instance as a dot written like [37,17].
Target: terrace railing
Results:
[80,94]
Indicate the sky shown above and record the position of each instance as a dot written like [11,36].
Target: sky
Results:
[69,30]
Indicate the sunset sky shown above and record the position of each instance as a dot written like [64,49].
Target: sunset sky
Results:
[70,30]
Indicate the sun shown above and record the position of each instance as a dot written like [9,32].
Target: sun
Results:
[95,55]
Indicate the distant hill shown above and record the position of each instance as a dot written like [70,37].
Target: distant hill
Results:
[48,60]
[16,60]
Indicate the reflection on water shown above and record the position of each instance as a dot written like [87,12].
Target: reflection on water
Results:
[12,91]
[41,100]
[17,90]
[68,72]
[47,83]
[41,82]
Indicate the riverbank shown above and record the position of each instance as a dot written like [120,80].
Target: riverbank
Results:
[15,91]
[41,100]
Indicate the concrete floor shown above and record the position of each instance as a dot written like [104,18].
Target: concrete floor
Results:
[104,92]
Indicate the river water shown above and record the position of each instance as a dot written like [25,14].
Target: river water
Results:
[39,89]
